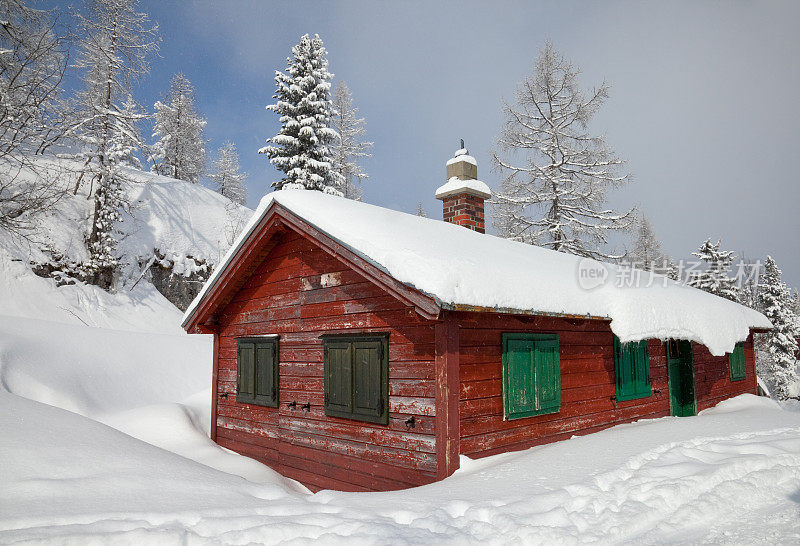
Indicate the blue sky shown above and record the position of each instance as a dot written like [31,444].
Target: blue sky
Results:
[704,99]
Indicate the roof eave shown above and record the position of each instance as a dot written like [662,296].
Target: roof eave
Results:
[425,305]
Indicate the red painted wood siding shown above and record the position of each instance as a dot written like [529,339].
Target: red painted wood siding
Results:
[587,383]
[713,379]
[301,292]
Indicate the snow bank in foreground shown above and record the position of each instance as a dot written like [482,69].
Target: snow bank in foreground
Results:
[458,266]
[71,479]
[154,387]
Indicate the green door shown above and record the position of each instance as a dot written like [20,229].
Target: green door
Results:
[680,366]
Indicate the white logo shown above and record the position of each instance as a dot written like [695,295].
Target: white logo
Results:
[591,274]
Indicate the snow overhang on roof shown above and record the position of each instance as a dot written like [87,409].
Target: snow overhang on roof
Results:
[459,267]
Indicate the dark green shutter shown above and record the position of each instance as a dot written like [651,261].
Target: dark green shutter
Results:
[357,377]
[531,375]
[632,370]
[737,363]
[339,378]
[257,372]
[369,380]
[266,390]
[245,371]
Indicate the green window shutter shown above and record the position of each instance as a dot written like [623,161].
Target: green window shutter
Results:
[632,370]
[245,369]
[520,399]
[257,371]
[369,395]
[266,374]
[737,363]
[547,365]
[357,377]
[531,375]
[339,378]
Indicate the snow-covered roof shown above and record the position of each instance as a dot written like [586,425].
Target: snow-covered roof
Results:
[460,267]
[457,185]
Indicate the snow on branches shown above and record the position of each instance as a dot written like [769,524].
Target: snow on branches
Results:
[180,151]
[115,44]
[555,174]
[302,148]
[647,253]
[348,149]
[32,64]
[715,279]
[779,368]
[227,174]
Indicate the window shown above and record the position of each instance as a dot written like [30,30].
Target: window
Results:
[632,370]
[257,371]
[736,362]
[356,372]
[531,375]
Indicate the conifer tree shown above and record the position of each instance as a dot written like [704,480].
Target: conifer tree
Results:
[227,174]
[349,148]
[556,175]
[421,210]
[647,253]
[715,279]
[302,148]
[780,368]
[115,43]
[180,151]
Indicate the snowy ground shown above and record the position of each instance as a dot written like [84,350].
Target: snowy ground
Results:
[130,463]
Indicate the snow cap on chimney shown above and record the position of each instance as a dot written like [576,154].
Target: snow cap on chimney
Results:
[463,194]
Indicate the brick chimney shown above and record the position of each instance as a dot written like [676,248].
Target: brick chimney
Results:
[463,195]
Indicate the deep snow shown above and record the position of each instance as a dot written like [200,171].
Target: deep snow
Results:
[104,415]
[131,463]
[458,266]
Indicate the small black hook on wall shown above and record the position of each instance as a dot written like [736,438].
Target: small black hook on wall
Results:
[411,422]
[306,406]
[292,404]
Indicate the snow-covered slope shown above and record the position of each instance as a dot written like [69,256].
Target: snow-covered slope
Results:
[458,266]
[186,223]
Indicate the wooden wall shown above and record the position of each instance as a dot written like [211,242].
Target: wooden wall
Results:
[587,383]
[301,292]
[713,379]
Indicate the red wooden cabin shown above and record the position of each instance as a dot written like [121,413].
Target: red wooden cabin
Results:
[350,354]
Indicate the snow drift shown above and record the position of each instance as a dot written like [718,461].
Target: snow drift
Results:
[458,266]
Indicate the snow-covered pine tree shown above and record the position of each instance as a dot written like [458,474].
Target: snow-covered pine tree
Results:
[421,210]
[779,369]
[32,64]
[349,148]
[302,148]
[115,43]
[227,175]
[715,279]
[180,151]
[554,196]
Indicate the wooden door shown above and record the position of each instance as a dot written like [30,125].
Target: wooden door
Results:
[680,366]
